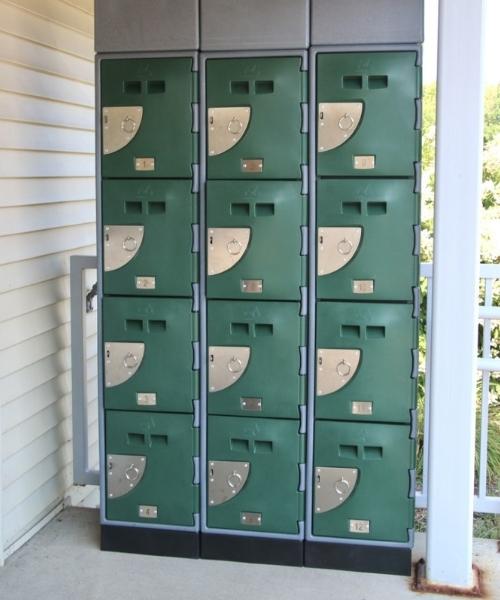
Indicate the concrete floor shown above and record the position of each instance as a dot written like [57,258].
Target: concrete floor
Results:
[63,562]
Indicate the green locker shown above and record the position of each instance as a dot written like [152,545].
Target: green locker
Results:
[148,354]
[254,359]
[147,117]
[255,126]
[368,114]
[254,475]
[254,240]
[367,239]
[148,237]
[363,481]
[151,474]
[366,362]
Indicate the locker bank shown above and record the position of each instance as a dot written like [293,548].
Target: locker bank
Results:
[259,220]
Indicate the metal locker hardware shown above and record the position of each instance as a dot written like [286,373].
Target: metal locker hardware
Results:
[145,283]
[226,127]
[146,399]
[144,164]
[363,286]
[337,121]
[120,125]
[333,485]
[226,247]
[251,404]
[336,247]
[362,408]
[124,473]
[226,365]
[358,526]
[335,368]
[252,165]
[226,479]
[364,162]
[121,244]
[251,518]
[148,512]
[121,361]
[252,286]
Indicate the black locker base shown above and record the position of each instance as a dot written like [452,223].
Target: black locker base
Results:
[270,551]
[352,557]
[142,540]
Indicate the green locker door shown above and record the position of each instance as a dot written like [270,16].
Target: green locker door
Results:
[254,475]
[366,361]
[367,114]
[150,468]
[254,359]
[367,239]
[148,354]
[254,239]
[363,481]
[147,117]
[148,237]
[254,117]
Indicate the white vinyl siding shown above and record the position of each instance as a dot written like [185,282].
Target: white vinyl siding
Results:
[47,213]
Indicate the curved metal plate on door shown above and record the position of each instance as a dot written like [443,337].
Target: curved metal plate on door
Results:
[226,364]
[226,246]
[124,473]
[337,122]
[120,125]
[121,361]
[332,487]
[335,368]
[226,479]
[226,126]
[336,247]
[121,244]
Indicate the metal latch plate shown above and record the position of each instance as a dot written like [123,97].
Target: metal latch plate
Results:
[251,404]
[226,479]
[144,164]
[145,283]
[121,244]
[252,165]
[336,247]
[337,122]
[120,125]
[124,473]
[148,512]
[335,368]
[251,519]
[121,361]
[226,365]
[226,247]
[332,485]
[226,126]
[252,286]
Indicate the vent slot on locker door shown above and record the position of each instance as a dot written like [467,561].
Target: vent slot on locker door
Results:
[352,82]
[263,447]
[132,87]
[373,452]
[346,451]
[264,209]
[159,439]
[136,439]
[375,332]
[240,87]
[157,326]
[351,208]
[156,87]
[378,82]
[241,209]
[350,331]
[134,325]
[157,208]
[240,329]
[133,207]
[239,445]
[376,208]
[263,329]
[264,87]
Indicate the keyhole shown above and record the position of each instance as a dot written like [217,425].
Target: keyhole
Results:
[211,240]
[321,239]
[320,361]
[212,358]
[108,354]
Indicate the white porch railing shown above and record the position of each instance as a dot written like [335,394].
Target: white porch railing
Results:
[486,364]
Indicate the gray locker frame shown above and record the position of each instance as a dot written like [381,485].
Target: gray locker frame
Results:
[204,56]
[100,271]
[311,366]
[162,30]
[380,25]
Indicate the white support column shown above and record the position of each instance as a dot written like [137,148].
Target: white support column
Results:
[455,301]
